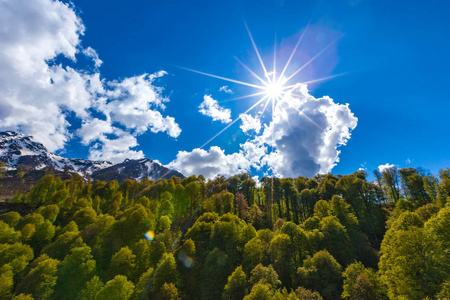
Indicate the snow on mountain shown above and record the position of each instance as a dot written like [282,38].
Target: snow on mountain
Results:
[137,170]
[19,149]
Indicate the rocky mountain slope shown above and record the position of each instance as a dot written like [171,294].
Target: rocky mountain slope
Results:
[18,149]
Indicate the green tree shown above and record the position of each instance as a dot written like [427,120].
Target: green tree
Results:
[41,279]
[280,248]
[260,291]
[165,272]
[8,234]
[265,275]
[168,292]
[6,281]
[63,244]
[79,262]
[93,287]
[236,287]
[413,262]
[118,288]
[305,294]
[17,255]
[123,262]
[362,283]
[321,273]
[214,274]
[299,247]
[11,218]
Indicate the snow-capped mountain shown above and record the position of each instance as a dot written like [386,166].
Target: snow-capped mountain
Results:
[137,170]
[19,149]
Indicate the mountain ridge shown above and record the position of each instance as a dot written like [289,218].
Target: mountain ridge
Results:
[18,149]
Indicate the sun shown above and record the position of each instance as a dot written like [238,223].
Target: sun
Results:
[273,87]
[274,90]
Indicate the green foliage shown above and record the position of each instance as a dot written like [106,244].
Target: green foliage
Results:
[336,240]
[17,255]
[214,274]
[196,239]
[6,281]
[22,297]
[164,223]
[362,283]
[49,212]
[265,275]
[11,218]
[236,287]
[305,294]
[118,288]
[168,292]
[41,279]
[414,261]
[260,291]
[63,244]
[93,287]
[123,262]
[80,262]
[8,234]
[165,272]
[321,273]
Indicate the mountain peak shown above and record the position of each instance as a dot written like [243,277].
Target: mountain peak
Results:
[20,149]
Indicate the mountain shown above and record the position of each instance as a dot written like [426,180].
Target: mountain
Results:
[137,170]
[18,149]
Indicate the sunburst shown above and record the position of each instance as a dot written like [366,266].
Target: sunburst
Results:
[273,86]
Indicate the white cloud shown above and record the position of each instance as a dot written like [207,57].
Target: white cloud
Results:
[133,102]
[93,129]
[225,89]
[250,123]
[37,93]
[384,167]
[89,52]
[113,149]
[210,163]
[210,107]
[306,131]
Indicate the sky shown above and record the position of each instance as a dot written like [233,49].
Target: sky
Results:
[108,80]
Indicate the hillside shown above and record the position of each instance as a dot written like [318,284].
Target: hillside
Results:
[327,237]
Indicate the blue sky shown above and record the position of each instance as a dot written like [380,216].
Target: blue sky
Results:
[394,56]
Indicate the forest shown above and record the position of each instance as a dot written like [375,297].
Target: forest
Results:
[327,237]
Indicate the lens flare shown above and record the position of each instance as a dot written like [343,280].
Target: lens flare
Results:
[149,235]
[186,260]
[274,90]
[274,86]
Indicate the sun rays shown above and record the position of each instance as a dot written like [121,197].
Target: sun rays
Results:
[273,85]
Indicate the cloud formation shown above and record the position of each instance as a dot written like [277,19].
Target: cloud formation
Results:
[305,134]
[211,108]
[225,89]
[250,123]
[385,167]
[38,93]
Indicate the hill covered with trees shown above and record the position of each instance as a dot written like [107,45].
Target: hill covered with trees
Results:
[327,237]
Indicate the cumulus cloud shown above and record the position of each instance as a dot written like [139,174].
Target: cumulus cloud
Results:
[112,149]
[213,162]
[384,167]
[89,52]
[250,123]
[38,93]
[211,108]
[305,134]
[225,89]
